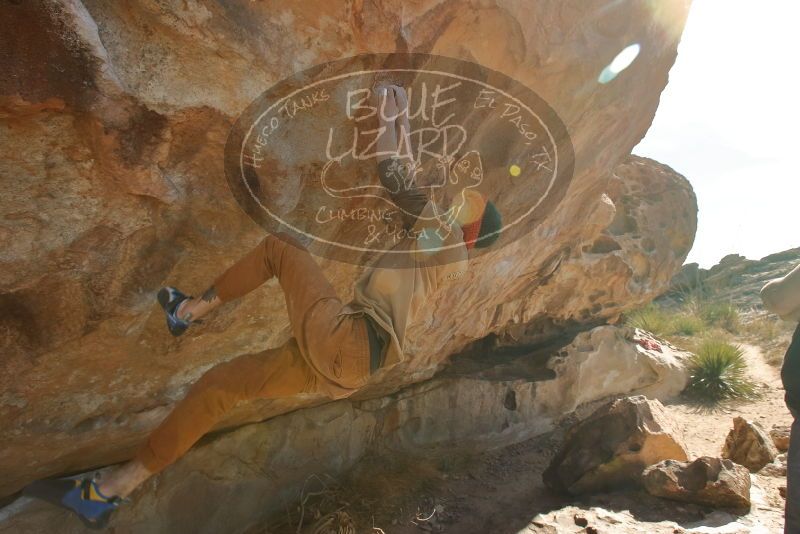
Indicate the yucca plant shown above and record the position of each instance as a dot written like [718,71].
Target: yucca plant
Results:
[719,373]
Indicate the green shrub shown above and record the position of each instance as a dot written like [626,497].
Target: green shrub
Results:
[686,324]
[719,373]
[652,319]
[694,317]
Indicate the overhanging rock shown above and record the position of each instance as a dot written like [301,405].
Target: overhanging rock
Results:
[114,117]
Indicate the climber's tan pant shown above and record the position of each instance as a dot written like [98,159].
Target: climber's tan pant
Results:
[329,352]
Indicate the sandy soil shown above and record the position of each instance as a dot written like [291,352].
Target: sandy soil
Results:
[702,430]
[502,492]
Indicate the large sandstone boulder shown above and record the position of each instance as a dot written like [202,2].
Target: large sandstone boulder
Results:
[749,445]
[610,360]
[114,118]
[708,481]
[613,446]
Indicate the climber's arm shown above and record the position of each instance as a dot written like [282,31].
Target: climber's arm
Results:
[394,155]
[394,176]
[397,175]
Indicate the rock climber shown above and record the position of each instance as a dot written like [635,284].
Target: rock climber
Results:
[336,347]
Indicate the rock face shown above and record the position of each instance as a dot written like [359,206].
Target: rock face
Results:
[749,445]
[613,446]
[708,481]
[113,119]
[242,477]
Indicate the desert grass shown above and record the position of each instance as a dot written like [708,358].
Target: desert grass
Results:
[693,316]
[652,319]
[770,333]
[687,324]
[718,314]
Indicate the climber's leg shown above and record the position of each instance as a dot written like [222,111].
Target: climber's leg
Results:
[330,354]
[275,373]
[276,255]
[242,277]
[334,342]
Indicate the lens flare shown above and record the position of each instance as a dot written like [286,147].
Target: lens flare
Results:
[620,63]
[514,170]
[472,207]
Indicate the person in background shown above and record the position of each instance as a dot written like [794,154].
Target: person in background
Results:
[782,296]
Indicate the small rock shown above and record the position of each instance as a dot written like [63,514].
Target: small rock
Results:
[780,437]
[706,481]
[782,491]
[749,445]
[612,447]
[775,469]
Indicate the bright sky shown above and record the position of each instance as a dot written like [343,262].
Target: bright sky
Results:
[728,121]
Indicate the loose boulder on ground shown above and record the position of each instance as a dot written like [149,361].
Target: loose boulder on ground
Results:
[749,445]
[707,481]
[613,446]
[780,437]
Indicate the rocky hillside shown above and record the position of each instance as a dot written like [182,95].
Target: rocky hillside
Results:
[734,279]
[113,120]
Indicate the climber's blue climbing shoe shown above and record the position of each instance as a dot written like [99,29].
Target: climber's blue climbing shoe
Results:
[80,496]
[170,299]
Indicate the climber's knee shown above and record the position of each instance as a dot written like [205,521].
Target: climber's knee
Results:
[219,384]
[289,240]
[215,376]
[217,391]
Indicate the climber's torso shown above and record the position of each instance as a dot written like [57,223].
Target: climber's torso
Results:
[394,290]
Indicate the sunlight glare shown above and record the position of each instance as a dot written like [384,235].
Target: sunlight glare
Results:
[620,63]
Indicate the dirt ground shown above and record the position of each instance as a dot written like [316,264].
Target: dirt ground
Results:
[502,491]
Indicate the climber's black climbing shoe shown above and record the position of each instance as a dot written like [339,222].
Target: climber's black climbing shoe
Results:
[170,299]
[79,496]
